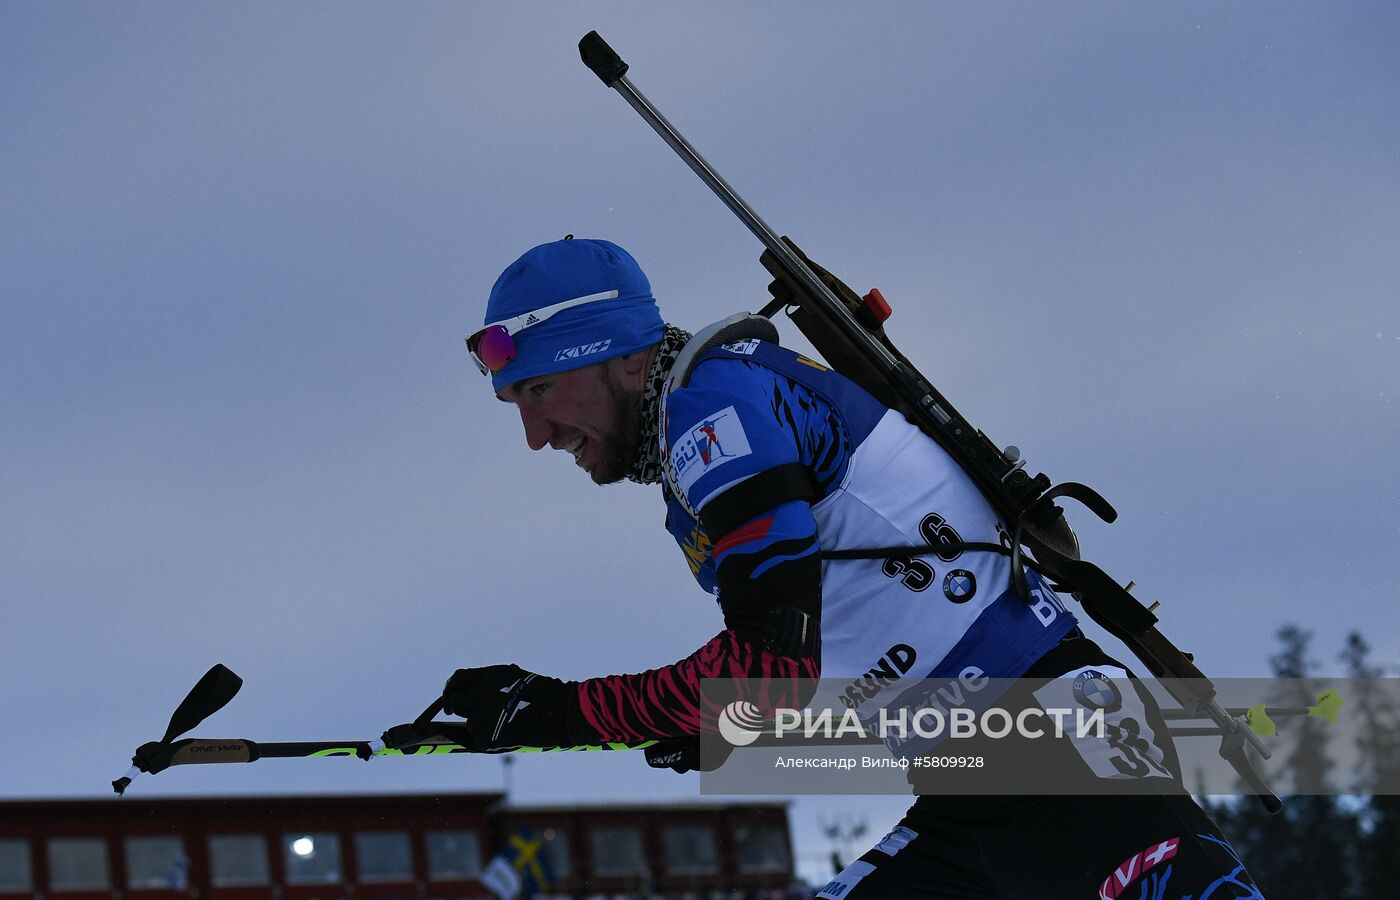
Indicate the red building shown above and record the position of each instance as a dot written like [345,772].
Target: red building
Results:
[299,847]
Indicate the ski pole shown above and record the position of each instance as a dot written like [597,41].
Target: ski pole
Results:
[425,737]
[219,685]
[154,758]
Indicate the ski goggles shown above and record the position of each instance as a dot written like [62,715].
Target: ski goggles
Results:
[494,346]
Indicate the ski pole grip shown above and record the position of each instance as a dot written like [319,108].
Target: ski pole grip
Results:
[601,58]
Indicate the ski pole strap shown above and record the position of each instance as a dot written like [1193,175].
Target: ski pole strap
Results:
[424,730]
[425,719]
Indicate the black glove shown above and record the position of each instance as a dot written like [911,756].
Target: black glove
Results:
[681,755]
[506,707]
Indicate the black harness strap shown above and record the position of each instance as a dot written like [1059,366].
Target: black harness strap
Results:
[1048,571]
[754,496]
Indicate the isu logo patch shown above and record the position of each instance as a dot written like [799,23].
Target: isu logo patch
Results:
[711,442]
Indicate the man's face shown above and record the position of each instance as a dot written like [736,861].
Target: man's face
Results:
[590,413]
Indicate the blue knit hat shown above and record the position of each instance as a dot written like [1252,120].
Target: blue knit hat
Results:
[580,335]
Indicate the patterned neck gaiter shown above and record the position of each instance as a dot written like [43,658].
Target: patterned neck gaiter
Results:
[646,468]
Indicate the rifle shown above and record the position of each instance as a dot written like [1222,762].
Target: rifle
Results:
[848,331]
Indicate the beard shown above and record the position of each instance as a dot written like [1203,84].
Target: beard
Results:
[624,435]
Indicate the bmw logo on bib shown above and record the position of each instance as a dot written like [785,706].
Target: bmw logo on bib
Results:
[959,585]
[1094,690]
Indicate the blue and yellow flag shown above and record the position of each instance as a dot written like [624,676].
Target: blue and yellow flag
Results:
[520,869]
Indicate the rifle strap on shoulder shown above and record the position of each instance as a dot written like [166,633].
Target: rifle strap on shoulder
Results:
[738,327]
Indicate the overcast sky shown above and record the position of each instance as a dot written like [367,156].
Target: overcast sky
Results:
[240,245]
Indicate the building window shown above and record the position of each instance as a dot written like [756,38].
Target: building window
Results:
[15,875]
[383,856]
[238,860]
[762,848]
[617,850]
[78,864]
[555,851]
[312,858]
[690,849]
[156,862]
[453,855]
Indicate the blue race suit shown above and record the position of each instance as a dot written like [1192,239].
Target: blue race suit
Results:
[769,457]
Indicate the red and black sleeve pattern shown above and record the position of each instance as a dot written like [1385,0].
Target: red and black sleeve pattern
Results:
[669,701]
[770,589]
